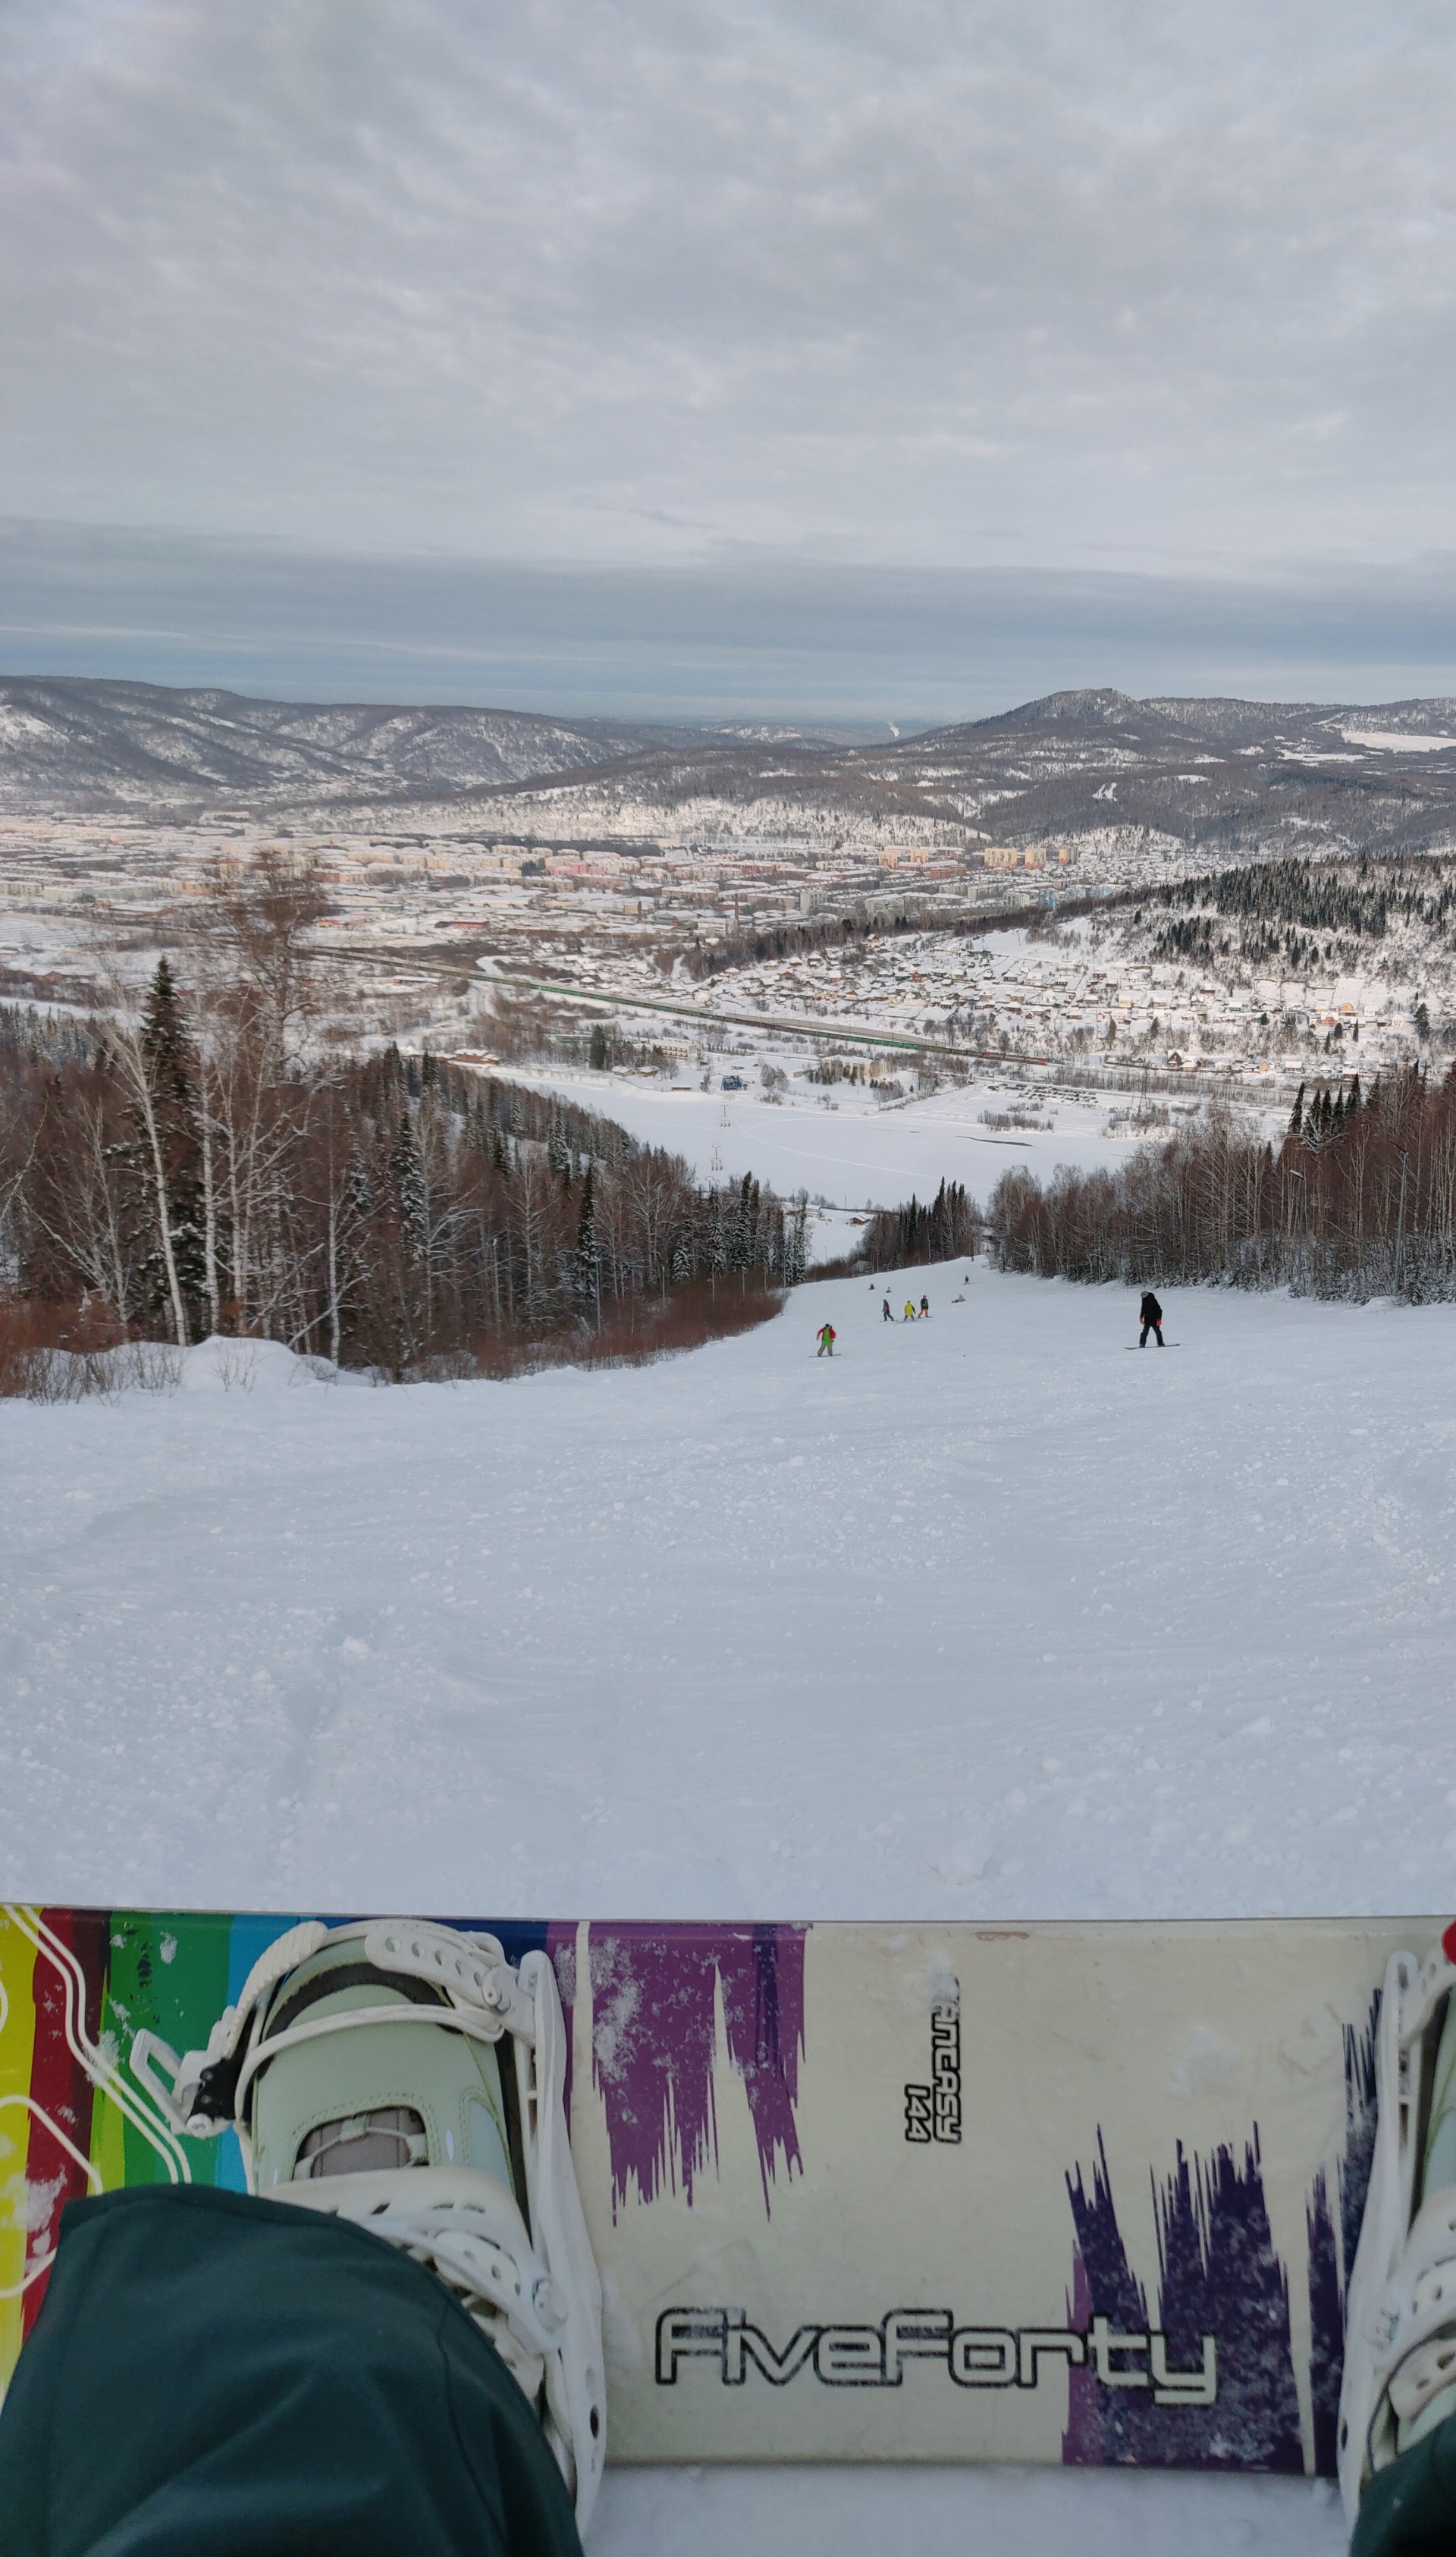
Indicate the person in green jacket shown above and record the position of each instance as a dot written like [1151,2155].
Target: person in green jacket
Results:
[365,2355]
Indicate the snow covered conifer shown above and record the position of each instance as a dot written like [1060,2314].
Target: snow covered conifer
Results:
[171,1150]
[589,1251]
[407,1173]
[165,1041]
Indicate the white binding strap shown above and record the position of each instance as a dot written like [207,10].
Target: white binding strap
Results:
[560,2235]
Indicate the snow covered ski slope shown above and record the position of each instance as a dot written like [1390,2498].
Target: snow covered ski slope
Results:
[981,1619]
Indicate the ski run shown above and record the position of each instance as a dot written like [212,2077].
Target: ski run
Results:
[980,1618]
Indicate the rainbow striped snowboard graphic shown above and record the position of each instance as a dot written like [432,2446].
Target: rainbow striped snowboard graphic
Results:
[1083,2193]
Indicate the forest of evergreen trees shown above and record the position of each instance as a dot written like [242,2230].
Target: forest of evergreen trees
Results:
[1358,1200]
[193,1164]
[1300,912]
[900,1238]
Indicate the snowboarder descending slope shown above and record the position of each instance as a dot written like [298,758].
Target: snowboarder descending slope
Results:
[1151,1319]
[308,2385]
[827,1338]
[1398,2400]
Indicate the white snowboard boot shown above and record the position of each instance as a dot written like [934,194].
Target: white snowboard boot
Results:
[362,2069]
[1400,2378]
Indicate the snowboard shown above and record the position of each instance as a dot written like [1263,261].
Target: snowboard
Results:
[1084,2194]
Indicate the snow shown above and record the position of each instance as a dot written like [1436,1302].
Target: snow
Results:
[969,2512]
[972,1619]
[847,1146]
[1397,741]
[985,1616]
[230,1366]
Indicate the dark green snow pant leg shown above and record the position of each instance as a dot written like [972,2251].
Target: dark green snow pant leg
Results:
[1409,2508]
[214,2375]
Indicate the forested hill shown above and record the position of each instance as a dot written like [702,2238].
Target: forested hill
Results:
[1230,776]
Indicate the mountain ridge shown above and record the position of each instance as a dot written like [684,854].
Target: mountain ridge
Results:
[1223,773]
[98,743]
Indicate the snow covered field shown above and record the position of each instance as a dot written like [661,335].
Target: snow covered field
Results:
[847,1146]
[975,1619]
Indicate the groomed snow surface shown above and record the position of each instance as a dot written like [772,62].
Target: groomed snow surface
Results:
[990,1615]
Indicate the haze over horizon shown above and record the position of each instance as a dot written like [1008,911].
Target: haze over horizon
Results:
[772,639]
[729,358]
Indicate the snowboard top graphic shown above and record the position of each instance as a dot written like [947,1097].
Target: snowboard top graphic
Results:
[1055,2191]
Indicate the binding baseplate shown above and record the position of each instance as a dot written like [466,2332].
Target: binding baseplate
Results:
[405,2075]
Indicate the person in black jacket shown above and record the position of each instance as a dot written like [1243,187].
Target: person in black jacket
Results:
[1151,1319]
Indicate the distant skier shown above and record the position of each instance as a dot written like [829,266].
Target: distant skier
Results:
[1151,1319]
[925,1309]
[885,1315]
[909,1312]
[827,1338]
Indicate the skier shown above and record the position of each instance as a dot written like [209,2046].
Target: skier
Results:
[392,2341]
[1151,1319]
[1397,2400]
[885,1315]
[909,1314]
[925,1309]
[827,1338]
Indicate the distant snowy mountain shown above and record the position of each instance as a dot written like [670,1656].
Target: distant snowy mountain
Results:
[69,743]
[1232,776]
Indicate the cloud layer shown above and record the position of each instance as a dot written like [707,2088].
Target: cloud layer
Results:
[944,285]
[761,638]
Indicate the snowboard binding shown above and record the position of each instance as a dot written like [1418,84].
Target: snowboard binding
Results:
[404,2076]
[1399,2377]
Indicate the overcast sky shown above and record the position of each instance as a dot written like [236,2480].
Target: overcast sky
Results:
[1147,291]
